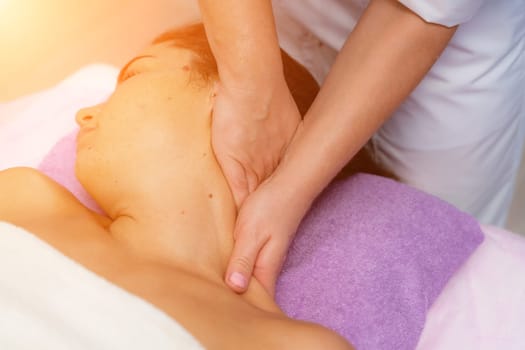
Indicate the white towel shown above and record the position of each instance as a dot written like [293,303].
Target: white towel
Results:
[48,301]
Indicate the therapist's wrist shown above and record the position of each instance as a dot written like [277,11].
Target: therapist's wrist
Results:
[300,177]
[290,201]
[293,188]
[257,93]
[257,74]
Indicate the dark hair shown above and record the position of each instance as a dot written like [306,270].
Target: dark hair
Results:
[192,37]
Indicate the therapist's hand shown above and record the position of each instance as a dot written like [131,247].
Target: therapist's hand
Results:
[251,128]
[265,227]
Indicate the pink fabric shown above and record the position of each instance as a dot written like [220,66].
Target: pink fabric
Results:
[59,164]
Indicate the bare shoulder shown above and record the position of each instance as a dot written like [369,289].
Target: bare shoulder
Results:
[292,334]
[315,337]
[20,174]
[26,191]
[23,181]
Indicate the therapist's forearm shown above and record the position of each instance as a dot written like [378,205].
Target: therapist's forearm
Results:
[385,57]
[243,39]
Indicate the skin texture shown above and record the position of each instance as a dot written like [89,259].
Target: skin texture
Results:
[249,57]
[254,120]
[145,156]
[384,58]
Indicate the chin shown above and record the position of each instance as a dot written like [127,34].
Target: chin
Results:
[80,173]
[86,168]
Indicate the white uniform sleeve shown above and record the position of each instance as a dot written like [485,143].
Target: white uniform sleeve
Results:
[445,12]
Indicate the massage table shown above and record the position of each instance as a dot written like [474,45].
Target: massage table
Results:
[481,305]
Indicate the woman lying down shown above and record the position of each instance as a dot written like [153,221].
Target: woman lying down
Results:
[145,157]
[369,259]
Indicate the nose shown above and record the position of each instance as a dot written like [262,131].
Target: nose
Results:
[87,117]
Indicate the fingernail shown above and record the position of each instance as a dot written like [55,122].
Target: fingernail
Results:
[238,280]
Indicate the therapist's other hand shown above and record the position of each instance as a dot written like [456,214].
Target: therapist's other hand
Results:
[251,128]
[265,227]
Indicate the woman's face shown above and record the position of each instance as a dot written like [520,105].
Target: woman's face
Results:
[156,119]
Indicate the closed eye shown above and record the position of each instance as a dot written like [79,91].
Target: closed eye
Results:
[127,72]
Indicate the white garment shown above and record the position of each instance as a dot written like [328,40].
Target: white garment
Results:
[48,301]
[446,12]
[459,135]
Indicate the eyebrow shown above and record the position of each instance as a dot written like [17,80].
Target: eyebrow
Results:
[124,70]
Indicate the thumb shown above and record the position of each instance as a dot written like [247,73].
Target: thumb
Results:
[242,261]
[269,263]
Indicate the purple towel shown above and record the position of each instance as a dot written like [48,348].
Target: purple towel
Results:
[368,260]
[371,257]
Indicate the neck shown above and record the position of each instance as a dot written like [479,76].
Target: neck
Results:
[190,230]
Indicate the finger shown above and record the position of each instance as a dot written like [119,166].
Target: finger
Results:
[269,169]
[268,265]
[236,178]
[253,181]
[242,261]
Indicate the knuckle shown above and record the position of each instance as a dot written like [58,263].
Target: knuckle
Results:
[265,270]
[238,182]
[243,263]
[255,237]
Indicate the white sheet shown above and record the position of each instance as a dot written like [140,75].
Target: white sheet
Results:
[48,301]
[31,125]
[483,306]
